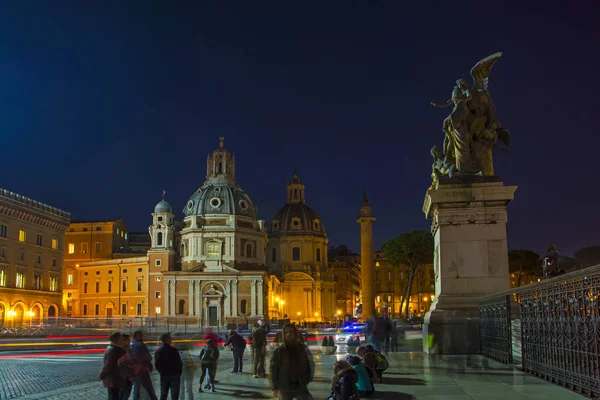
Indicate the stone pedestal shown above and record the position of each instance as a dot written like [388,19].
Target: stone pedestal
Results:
[470,259]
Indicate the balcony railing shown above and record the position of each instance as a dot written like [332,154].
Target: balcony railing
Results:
[560,329]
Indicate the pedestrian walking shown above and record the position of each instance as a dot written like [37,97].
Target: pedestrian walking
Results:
[110,375]
[169,366]
[292,367]
[141,361]
[207,363]
[238,346]
[187,374]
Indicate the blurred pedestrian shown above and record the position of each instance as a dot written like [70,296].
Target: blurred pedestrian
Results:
[142,366]
[344,382]
[238,345]
[110,374]
[292,367]
[169,366]
[207,362]
[187,374]
[259,347]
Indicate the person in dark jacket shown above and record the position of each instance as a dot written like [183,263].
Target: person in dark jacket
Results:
[168,364]
[292,367]
[344,382]
[142,365]
[259,346]
[208,359]
[110,374]
[238,345]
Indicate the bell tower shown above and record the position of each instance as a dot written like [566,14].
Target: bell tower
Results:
[162,228]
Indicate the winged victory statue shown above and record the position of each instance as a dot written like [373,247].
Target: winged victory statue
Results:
[471,130]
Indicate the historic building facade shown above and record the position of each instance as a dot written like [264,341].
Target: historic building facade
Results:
[297,256]
[390,283]
[102,274]
[346,272]
[213,269]
[31,259]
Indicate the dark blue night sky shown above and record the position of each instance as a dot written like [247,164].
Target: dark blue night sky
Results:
[104,106]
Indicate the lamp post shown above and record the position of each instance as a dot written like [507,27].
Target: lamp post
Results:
[299,313]
[339,314]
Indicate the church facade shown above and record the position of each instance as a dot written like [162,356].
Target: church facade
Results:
[297,256]
[220,265]
[213,265]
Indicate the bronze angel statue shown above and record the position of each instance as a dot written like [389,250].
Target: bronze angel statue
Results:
[471,130]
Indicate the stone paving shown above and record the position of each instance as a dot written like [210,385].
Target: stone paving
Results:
[411,376]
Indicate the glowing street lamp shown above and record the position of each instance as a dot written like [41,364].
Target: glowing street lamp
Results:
[30,314]
[11,314]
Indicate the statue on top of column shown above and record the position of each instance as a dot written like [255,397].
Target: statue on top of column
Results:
[471,130]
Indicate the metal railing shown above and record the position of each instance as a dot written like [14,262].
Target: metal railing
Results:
[560,329]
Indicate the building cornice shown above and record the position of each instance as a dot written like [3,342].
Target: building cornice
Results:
[28,210]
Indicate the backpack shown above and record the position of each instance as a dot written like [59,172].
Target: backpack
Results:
[382,362]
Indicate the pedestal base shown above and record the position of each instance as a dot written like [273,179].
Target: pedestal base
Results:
[452,326]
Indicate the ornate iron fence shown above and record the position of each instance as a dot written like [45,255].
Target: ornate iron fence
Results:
[560,329]
[495,328]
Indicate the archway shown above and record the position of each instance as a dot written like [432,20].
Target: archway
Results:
[52,311]
[18,318]
[38,315]
[181,307]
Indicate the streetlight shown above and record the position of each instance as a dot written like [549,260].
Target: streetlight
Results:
[299,313]
[11,314]
[30,314]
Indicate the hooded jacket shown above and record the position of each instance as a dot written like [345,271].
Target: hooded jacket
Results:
[344,387]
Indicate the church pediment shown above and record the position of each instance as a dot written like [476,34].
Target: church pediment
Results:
[212,291]
[297,276]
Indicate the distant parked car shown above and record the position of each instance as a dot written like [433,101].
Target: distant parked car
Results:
[352,331]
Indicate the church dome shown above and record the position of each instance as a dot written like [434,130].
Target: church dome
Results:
[297,218]
[216,198]
[163,207]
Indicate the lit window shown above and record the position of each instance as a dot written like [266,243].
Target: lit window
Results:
[157,295]
[71,248]
[22,236]
[2,278]
[118,231]
[212,250]
[379,299]
[158,279]
[53,284]
[157,310]
[126,237]
[20,281]
[122,234]
[84,247]
[390,298]
[377,264]
[54,244]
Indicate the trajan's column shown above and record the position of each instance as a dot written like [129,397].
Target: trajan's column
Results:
[367,267]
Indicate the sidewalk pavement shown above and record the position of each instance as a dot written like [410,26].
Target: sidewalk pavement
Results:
[411,376]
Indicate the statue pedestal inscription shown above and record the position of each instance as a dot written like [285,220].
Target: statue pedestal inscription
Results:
[470,259]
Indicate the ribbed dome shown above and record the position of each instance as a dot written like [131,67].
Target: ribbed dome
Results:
[297,218]
[215,198]
[163,207]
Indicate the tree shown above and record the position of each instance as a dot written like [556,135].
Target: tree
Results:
[411,252]
[588,256]
[523,262]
